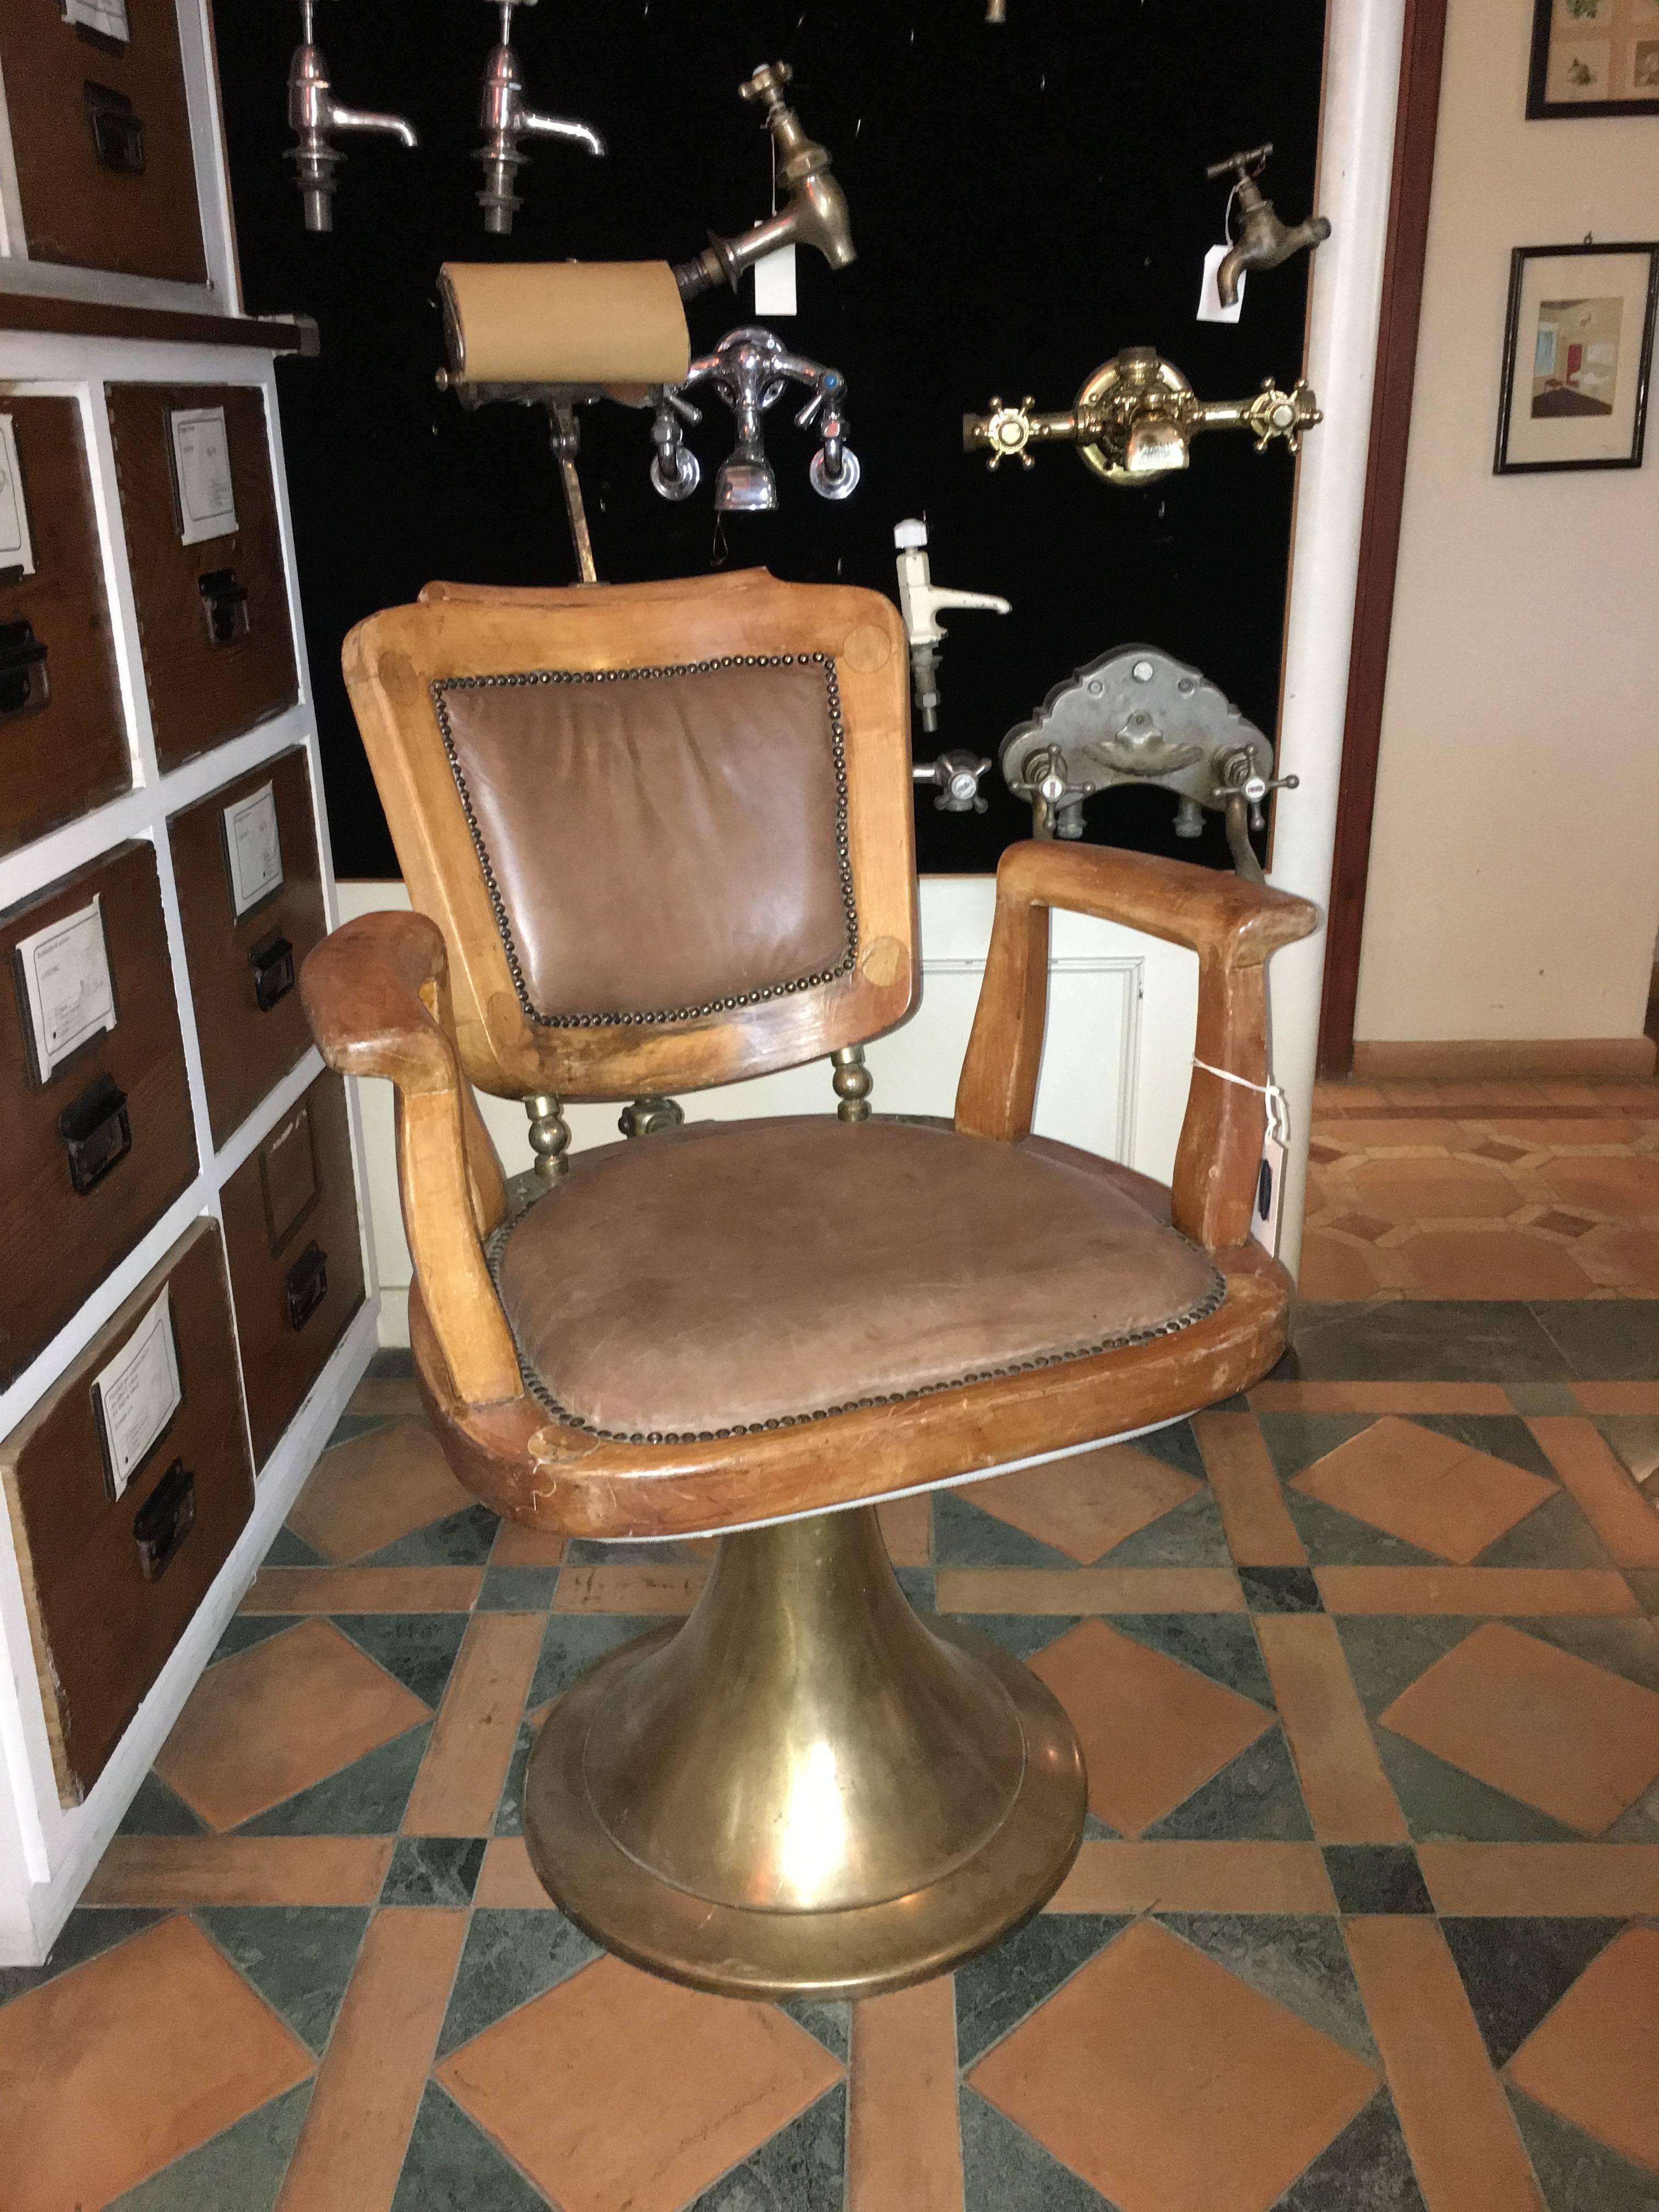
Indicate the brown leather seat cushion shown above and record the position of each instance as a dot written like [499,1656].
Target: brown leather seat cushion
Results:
[737,1274]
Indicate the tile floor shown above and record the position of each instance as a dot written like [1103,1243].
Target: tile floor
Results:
[1367,1920]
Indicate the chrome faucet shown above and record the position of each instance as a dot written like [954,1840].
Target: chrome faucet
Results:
[815,213]
[1264,241]
[504,119]
[315,114]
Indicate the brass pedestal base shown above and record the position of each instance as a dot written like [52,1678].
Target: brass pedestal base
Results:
[803,1790]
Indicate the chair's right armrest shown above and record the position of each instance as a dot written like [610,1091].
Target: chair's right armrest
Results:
[376,992]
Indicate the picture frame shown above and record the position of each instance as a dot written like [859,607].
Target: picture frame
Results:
[1577,357]
[1592,57]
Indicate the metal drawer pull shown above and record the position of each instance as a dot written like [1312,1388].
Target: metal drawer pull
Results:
[117,129]
[307,1285]
[25,680]
[272,962]
[164,1519]
[224,603]
[96,1133]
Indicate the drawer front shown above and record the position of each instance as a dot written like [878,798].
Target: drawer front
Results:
[63,733]
[112,1580]
[98,1147]
[100,132]
[213,612]
[252,846]
[296,1266]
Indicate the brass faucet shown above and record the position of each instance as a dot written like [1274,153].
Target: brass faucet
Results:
[1264,241]
[1135,418]
[814,214]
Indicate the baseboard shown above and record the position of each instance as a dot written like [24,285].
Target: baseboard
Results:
[1495,1060]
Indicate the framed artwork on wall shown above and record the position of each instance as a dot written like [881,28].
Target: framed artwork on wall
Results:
[1578,350]
[1593,58]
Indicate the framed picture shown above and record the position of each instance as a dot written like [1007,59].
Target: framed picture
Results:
[1593,58]
[1578,347]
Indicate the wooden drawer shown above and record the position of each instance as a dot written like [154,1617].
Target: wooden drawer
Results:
[111,1580]
[63,733]
[100,132]
[296,1262]
[243,967]
[213,614]
[57,1242]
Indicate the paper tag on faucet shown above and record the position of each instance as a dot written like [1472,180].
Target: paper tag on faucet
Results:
[1269,1196]
[774,282]
[1210,309]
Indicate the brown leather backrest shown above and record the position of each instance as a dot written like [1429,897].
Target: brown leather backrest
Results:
[665,828]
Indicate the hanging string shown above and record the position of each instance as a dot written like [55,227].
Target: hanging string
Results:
[1279,1108]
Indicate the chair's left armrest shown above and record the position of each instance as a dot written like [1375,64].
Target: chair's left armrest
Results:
[1234,926]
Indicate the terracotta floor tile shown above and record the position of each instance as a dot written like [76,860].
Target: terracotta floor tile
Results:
[1379,1398]
[1457,2126]
[1394,1133]
[1343,1783]
[1633,1255]
[507,1877]
[1368,1227]
[904,2142]
[1500,1149]
[1439,1494]
[376,1488]
[907,1528]
[1088,1590]
[124,2064]
[460,1782]
[1114,1876]
[1540,1724]
[1571,1129]
[1607,1494]
[515,1545]
[1259,1530]
[273,1720]
[1470,1263]
[1433,1190]
[364,1589]
[1345,1096]
[1539,1591]
[618,2090]
[357,2129]
[1152,1730]
[1607,1185]
[1086,1504]
[191,1870]
[1596,2058]
[396,1397]
[1334,1271]
[625,1589]
[1617,1397]
[1619,1881]
[1563,1225]
[1170,2085]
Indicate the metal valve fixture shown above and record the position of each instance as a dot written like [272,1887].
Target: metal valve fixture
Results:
[954,775]
[814,212]
[315,115]
[1264,241]
[505,119]
[1135,418]
[748,370]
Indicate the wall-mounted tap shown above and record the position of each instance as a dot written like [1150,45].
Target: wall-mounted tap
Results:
[814,212]
[505,119]
[314,114]
[1264,241]
[921,602]
[749,369]
[1135,418]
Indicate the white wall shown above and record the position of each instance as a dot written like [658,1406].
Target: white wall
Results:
[1515,872]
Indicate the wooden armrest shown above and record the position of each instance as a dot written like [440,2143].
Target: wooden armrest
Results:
[376,994]
[1235,929]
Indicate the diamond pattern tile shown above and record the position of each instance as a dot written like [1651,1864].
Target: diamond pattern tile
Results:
[273,1720]
[1151,1729]
[367,1493]
[616,2090]
[1436,1492]
[1087,1505]
[1596,2058]
[1552,1729]
[1170,2085]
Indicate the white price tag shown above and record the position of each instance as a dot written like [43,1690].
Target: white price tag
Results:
[138,1393]
[17,547]
[109,16]
[1210,309]
[201,470]
[253,848]
[1269,1197]
[66,983]
[774,282]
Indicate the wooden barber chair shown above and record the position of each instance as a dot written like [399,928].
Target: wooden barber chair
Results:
[658,838]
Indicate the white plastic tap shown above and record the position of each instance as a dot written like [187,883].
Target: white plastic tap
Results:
[921,599]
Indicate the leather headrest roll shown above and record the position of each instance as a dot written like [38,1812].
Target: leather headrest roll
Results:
[601,323]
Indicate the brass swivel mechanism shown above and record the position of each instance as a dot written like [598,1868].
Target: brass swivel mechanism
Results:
[1135,418]
[814,214]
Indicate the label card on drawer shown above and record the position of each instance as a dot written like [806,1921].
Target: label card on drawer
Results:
[253,848]
[138,1393]
[108,16]
[64,980]
[201,474]
[287,1173]
[17,547]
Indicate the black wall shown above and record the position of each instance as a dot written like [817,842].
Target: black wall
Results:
[1026,200]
